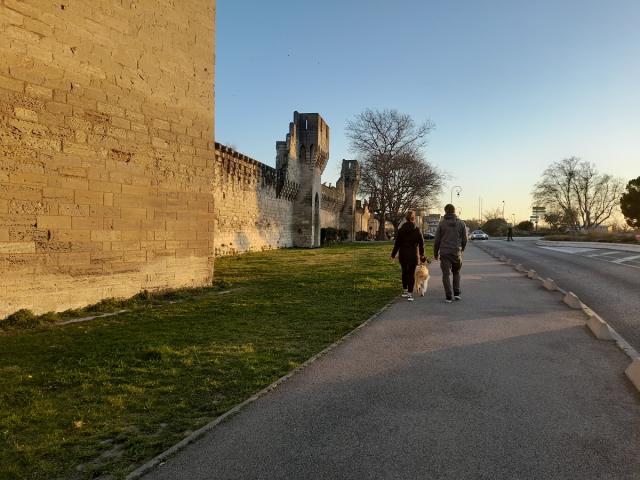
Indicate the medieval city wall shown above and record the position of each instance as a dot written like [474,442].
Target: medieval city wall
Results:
[363,218]
[106,149]
[250,213]
[330,206]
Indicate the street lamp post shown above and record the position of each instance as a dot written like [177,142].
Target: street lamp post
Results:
[459,188]
[513,215]
[502,208]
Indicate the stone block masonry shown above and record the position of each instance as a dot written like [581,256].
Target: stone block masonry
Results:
[107,154]
[258,207]
[251,212]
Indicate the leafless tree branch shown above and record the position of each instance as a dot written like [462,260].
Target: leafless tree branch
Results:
[395,175]
[583,197]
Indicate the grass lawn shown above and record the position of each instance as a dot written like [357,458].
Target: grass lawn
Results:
[101,397]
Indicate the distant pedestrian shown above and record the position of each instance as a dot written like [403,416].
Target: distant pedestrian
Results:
[510,234]
[450,242]
[410,245]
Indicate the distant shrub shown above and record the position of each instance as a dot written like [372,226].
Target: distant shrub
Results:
[22,317]
[525,226]
[495,227]
[362,236]
[328,236]
[221,285]
[594,237]
[143,295]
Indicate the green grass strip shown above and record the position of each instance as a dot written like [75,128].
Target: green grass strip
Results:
[101,397]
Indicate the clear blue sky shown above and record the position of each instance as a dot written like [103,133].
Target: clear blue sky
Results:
[511,85]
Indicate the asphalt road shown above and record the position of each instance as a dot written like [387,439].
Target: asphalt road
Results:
[505,384]
[608,281]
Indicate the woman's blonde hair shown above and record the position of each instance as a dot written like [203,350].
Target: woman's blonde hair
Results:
[410,216]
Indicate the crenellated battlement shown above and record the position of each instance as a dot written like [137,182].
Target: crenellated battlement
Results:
[260,207]
[233,166]
[332,198]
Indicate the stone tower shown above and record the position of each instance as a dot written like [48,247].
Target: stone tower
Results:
[301,159]
[350,179]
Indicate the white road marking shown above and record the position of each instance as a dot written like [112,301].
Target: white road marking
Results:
[628,265]
[625,259]
[597,256]
[570,249]
[604,253]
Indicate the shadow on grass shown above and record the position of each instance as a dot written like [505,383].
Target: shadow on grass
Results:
[100,397]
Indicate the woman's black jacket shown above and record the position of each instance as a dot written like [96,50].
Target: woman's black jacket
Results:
[408,242]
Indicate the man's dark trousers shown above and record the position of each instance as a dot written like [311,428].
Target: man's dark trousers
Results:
[451,263]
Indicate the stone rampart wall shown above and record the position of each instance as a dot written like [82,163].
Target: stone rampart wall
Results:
[106,149]
[252,211]
[331,204]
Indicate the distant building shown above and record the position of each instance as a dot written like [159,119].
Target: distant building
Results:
[420,215]
[364,220]
[430,223]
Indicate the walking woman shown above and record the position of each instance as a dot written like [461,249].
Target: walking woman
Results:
[409,244]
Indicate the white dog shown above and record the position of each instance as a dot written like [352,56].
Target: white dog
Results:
[422,279]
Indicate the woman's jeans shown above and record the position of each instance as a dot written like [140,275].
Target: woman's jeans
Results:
[408,275]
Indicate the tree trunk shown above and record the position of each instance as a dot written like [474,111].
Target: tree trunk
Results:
[382,234]
[381,230]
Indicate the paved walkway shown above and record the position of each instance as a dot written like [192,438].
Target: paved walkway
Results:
[506,384]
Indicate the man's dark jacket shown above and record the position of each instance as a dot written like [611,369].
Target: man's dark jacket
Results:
[451,236]
[408,241]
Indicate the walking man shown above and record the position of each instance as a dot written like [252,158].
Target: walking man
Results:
[510,234]
[450,242]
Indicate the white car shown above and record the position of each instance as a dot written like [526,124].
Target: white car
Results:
[478,235]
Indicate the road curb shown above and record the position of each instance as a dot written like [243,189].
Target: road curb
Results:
[596,324]
[182,444]
[549,284]
[633,373]
[598,327]
[572,300]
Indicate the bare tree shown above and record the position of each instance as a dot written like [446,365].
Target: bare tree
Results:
[411,184]
[472,224]
[555,189]
[496,213]
[395,175]
[574,187]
